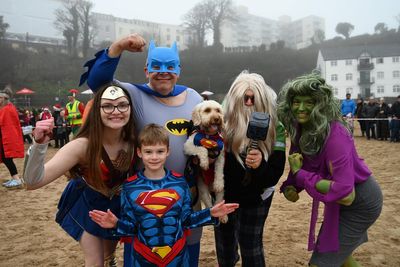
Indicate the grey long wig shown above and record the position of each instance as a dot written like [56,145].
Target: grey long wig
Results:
[237,115]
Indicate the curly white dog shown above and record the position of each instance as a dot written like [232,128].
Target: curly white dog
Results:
[207,144]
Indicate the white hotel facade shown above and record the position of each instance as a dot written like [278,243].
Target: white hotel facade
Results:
[363,71]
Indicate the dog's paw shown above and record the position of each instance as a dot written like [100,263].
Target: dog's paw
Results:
[223,219]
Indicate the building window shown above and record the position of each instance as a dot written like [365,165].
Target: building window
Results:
[395,59]
[349,62]
[333,63]
[334,77]
[335,91]
[107,28]
[178,38]
[168,37]
[396,74]
[380,75]
[379,60]
[396,88]
[349,76]
[349,90]
[380,89]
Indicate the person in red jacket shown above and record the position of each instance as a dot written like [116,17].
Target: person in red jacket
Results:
[11,141]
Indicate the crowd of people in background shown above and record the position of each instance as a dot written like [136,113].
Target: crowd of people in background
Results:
[17,125]
[67,120]
[377,119]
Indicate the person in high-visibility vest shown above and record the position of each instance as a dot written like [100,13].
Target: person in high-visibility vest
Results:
[73,112]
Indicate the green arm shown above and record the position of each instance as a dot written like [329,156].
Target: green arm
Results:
[323,187]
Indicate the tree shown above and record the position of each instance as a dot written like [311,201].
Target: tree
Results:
[87,25]
[74,21]
[220,11]
[344,28]
[197,21]
[68,24]
[381,28]
[3,28]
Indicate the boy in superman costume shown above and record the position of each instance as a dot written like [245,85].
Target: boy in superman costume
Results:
[156,207]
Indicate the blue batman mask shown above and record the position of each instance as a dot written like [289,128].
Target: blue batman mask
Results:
[163,59]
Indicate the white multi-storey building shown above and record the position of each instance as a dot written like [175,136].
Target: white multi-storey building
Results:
[110,28]
[249,30]
[298,34]
[363,71]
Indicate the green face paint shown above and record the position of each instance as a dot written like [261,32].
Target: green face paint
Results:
[302,106]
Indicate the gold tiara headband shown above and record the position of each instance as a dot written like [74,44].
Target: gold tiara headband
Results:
[112,93]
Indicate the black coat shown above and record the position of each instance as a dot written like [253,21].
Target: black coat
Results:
[266,175]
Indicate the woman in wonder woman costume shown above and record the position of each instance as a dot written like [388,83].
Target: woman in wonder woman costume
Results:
[106,139]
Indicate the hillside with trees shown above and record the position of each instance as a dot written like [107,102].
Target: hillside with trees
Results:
[51,71]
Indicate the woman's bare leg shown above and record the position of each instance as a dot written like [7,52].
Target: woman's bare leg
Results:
[92,248]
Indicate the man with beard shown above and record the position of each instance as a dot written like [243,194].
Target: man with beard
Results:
[249,93]
[159,101]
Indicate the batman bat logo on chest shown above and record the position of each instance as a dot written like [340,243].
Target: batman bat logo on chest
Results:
[177,126]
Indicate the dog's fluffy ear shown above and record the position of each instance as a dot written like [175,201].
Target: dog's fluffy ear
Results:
[196,118]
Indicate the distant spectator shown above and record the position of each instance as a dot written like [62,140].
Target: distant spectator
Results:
[61,129]
[56,113]
[26,126]
[45,114]
[395,122]
[348,106]
[73,112]
[359,115]
[382,126]
[370,111]
[11,142]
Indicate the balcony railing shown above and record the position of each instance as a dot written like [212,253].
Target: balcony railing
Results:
[366,81]
[365,66]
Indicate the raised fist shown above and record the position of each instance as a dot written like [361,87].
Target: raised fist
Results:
[43,131]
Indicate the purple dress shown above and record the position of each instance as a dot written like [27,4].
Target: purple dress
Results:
[339,162]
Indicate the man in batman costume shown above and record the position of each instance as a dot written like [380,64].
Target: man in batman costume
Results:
[159,101]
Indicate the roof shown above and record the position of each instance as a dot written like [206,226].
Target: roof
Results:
[351,52]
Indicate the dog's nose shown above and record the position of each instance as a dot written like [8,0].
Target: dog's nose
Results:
[216,120]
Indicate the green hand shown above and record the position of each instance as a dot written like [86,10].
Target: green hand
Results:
[295,162]
[290,193]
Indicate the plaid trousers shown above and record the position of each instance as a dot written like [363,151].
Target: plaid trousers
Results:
[244,229]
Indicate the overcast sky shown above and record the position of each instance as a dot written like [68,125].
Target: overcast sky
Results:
[363,14]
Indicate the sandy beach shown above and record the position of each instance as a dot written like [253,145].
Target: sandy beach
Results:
[29,236]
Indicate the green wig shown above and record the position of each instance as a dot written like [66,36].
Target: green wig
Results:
[325,111]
